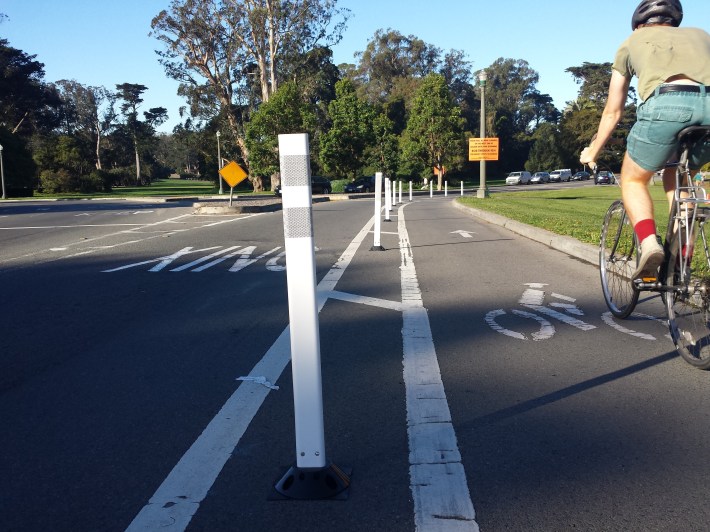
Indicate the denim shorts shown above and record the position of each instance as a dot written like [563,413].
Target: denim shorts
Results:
[652,141]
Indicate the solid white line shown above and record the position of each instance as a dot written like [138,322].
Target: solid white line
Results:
[179,496]
[68,226]
[437,478]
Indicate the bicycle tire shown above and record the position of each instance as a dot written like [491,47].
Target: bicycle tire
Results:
[688,304]
[617,261]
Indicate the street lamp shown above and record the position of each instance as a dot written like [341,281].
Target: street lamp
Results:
[219,165]
[482,190]
[2,174]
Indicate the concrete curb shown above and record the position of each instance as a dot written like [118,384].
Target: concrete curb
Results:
[565,244]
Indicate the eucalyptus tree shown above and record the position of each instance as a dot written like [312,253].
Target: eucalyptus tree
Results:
[222,49]
[434,133]
[391,61]
[514,108]
[87,112]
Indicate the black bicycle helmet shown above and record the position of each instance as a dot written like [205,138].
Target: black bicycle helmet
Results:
[657,12]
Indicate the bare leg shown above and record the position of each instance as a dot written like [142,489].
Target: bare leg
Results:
[634,190]
[669,184]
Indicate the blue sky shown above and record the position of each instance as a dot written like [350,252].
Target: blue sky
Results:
[106,42]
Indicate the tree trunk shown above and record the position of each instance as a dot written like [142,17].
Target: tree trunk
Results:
[138,167]
[98,148]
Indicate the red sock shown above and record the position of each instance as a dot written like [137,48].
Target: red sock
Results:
[645,228]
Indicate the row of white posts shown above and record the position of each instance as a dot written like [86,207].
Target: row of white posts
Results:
[313,476]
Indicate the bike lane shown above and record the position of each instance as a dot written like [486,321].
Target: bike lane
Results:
[565,417]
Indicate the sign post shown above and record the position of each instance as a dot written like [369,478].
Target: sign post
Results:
[312,477]
[233,174]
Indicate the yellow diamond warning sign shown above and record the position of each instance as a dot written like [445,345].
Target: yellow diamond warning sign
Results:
[483,149]
[233,174]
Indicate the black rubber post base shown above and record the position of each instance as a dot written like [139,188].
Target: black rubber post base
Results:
[330,482]
[377,248]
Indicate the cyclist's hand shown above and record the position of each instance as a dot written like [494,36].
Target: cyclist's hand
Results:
[587,158]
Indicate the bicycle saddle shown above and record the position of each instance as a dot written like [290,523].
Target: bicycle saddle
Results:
[693,134]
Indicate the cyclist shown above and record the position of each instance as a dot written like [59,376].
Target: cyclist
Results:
[672,65]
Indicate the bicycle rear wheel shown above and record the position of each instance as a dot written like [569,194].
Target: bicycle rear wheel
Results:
[688,304]
[617,261]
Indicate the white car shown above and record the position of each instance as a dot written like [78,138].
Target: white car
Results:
[518,178]
[561,175]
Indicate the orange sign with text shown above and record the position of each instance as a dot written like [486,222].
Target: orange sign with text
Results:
[483,149]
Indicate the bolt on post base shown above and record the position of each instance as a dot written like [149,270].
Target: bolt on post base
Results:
[329,482]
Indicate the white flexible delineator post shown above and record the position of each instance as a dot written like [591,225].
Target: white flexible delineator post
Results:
[377,245]
[302,304]
[312,477]
[388,199]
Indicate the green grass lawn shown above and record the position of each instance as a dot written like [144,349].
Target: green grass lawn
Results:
[161,188]
[576,212]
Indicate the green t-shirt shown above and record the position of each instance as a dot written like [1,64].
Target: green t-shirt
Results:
[657,53]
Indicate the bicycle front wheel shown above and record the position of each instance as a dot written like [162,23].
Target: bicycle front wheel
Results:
[617,261]
[688,303]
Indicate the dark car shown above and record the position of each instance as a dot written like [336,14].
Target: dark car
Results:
[319,185]
[605,177]
[581,176]
[364,184]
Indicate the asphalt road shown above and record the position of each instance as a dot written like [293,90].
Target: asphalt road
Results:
[125,327]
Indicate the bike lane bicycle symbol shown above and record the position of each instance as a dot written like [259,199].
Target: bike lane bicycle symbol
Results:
[562,309]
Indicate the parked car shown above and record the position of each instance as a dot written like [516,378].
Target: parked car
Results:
[605,177]
[540,177]
[319,185]
[364,184]
[581,176]
[518,178]
[564,174]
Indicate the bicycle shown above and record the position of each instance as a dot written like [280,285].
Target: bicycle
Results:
[684,276]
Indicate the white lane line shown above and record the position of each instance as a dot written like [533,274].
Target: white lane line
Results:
[88,240]
[75,226]
[179,496]
[442,501]
[362,300]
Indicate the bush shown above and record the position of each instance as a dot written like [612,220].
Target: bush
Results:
[122,176]
[103,180]
[338,185]
[57,181]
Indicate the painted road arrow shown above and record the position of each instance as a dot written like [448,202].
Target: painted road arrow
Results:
[465,234]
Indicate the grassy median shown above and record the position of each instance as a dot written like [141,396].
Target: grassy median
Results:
[577,212]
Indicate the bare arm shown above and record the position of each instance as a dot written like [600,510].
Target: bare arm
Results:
[613,111]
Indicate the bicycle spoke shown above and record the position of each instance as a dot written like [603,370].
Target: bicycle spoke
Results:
[617,261]
[689,303]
